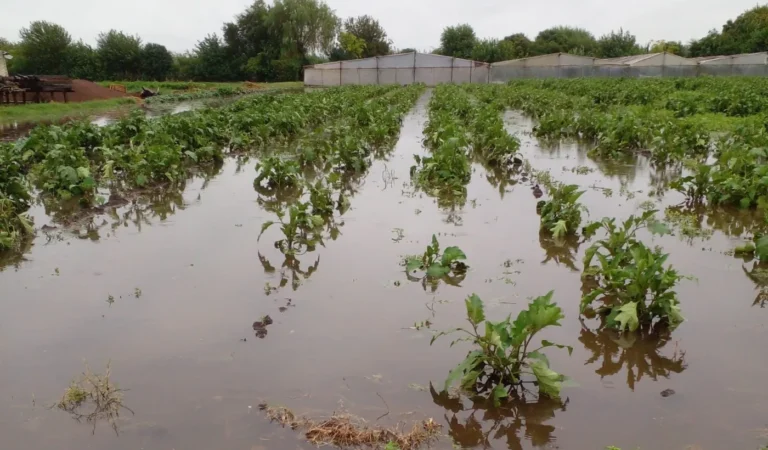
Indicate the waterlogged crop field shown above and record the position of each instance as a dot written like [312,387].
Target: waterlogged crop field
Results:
[545,264]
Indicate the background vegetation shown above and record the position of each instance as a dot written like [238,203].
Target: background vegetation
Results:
[273,42]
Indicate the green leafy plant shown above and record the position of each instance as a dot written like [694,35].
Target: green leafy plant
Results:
[505,352]
[277,172]
[561,215]
[436,264]
[628,279]
[301,229]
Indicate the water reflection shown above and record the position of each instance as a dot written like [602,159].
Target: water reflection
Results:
[475,422]
[758,274]
[638,353]
[290,271]
[560,250]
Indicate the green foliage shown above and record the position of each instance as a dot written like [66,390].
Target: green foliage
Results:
[628,279]
[120,55]
[616,44]
[504,353]
[351,45]
[458,41]
[436,264]
[277,172]
[302,230]
[561,215]
[44,46]
[82,61]
[372,35]
[156,62]
[565,40]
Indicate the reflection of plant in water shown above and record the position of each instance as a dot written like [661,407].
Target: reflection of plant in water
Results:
[290,264]
[95,390]
[561,251]
[759,275]
[521,412]
[639,353]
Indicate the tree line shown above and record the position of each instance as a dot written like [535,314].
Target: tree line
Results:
[272,42]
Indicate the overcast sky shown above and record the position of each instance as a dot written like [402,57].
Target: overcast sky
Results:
[179,24]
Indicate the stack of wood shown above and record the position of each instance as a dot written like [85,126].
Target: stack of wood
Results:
[11,93]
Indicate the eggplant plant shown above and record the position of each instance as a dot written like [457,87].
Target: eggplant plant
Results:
[436,264]
[631,283]
[302,230]
[505,355]
[561,214]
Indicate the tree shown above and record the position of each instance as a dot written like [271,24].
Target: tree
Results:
[492,50]
[308,26]
[458,41]
[352,45]
[156,62]
[212,59]
[367,29]
[616,44]
[120,55]
[674,47]
[747,34]
[522,43]
[18,63]
[709,45]
[82,61]
[185,66]
[407,50]
[565,40]
[44,45]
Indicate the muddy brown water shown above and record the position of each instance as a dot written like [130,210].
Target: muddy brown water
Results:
[343,340]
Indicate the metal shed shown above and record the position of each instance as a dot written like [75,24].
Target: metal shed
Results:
[403,68]
[755,64]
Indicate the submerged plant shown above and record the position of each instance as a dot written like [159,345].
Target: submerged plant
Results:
[505,352]
[301,229]
[96,391]
[629,279]
[277,172]
[561,215]
[436,264]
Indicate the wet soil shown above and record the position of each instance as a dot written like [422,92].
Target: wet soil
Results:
[342,323]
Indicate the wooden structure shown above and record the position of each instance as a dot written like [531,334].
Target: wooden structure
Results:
[17,90]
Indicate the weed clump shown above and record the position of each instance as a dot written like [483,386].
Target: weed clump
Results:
[347,431]
[96,391]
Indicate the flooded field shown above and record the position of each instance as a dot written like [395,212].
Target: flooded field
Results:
[167,289]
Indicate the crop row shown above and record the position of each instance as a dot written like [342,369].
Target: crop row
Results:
[464,122]
[76,160]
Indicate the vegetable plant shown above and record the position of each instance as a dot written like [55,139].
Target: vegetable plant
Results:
[561,215]
[631,283]
[277,172]
[437,264]
[505,353]
[301,229]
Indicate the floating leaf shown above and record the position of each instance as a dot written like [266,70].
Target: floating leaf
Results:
[452,254]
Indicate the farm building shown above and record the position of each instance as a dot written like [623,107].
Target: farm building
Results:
[403,68]
[649,65]
[744,64]
[649,60]
[554,65]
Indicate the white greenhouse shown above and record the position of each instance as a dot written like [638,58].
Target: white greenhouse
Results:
[403,68]
[554,65]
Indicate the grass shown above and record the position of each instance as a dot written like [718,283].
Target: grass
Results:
[51,112]
[184,86]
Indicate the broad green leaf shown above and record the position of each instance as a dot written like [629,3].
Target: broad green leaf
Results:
[549,381]
[560,229]
[761,248]
[465,366]
[543,313]
[437,271]
[545,343]
[499,392]
[589,230]
[192,155]
[538,355]
[659,228]
[452,254]
[627,317]
[475,312]
[317,221]
[412,264]
[264,227]
[83,172]
[673,312]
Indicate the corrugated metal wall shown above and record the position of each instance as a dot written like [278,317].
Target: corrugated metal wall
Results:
[403,69]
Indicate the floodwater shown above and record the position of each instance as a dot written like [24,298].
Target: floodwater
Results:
[196,370]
